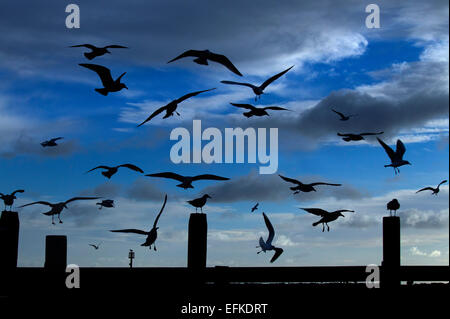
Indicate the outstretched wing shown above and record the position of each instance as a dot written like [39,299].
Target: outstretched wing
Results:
[444,181]
[320,183]
[103,72]
[80,198]
[39,202]
[278,252]
[389,151]
[341,134]
[224,61]
[132,167]
[170,175]
[209,177]
[316,211]
[270,228]
[21,191]
[273,78]
[185,97]
[371,133]
[56,139]
[244,106]
[153,114]
[338,113]
[238,83]
[401,149]
[115,46]
[193,53]
[162,208]
[101,166]
[425,189]
[290,180]
[134,231]
[275,108]
[89,46]
[344,210]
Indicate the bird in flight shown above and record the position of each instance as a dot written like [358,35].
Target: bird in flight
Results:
[171,107]
[304,187]
[393,205]
[97,51]
[199,202]
[267,245]
[258,90]
[105,203]
[343,117]
[186,181]
[434,191]
[51,142]
[257,111]
[356,137]
[8,199]
[151,235]
[202,57]
[397,156]
[96,247]
[326,216]
[110,171]
[57,208]
[109,84]
[255,207]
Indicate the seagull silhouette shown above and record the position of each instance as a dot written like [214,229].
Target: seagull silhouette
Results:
[57,208]
[258,111]
[8,199]
[171,107]
[396,157]
[255,207]
[304,187]
[109,84]
[199,202]
[105,203]
[326,216]
[96,247]
[267,245]
[435,191]
[51,142]
[110,171]
[344,117]
[393,205]
[151,235]
[203,56]
[97,51]
[258,90]
[186,181]
[356,137]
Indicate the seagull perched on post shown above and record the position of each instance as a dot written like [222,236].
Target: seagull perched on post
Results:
[199,202]
[97,51]
[326,216]
[186,181]
[8,199]
[171,107]
[105,203]
[257,111]
[435,191]
[393,205]
[267,245]
[304,187]
[259,90]
[151,235]
[51,142]
[57,208]
[109,84]
[356,137]
[110,171]
[344,117]
[202,58]
[397,156]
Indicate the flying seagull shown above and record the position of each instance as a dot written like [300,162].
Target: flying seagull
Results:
[105,203]
[202,58]
[255,207]
[393,205]
[97,51]
[151,235]
[343,117]
[109,84]
[172,106]
[397,156]
[51,142]
[258,111]
[8,200]
[258,90]
[96,247]
[356,137]
[304,187]
[199,202]
[57,208]
[110,171]
[326,216]
[435,191]
[186,181]
[267,245]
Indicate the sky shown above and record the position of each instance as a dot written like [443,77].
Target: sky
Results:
[395,78]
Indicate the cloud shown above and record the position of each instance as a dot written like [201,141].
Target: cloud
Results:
[105,190]
[143,190]
[424,219]
[416,252]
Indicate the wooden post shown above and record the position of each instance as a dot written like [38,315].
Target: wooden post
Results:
[55,253]
[197,241]
[9,240]
[391,252]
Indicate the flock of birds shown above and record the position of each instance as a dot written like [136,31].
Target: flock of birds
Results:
[202,57]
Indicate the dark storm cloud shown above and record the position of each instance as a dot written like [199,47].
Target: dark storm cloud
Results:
[143,190]
[106,190]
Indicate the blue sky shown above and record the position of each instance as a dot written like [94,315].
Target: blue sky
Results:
[395,78]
